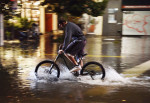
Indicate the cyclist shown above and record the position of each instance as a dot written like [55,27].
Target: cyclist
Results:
[74,43]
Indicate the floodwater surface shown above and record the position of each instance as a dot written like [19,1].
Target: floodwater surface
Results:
[126,61]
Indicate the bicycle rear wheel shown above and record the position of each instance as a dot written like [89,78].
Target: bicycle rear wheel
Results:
[93,69]
[47,68]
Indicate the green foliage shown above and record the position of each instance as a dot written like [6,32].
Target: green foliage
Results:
[25,23]
[6,8]
[76,7]
[19,24]
[92,21]
[8,34]
[12,26]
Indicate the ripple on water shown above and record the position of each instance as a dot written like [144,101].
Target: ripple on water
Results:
[113,78]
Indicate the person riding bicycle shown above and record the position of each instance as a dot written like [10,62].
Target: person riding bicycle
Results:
[74,42]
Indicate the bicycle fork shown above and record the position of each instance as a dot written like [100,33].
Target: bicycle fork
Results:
[50,70]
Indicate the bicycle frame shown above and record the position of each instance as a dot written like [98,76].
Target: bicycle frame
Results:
[61,59]
[66,61]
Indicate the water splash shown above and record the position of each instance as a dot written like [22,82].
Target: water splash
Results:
[46,77]
[65,73]
[112,78]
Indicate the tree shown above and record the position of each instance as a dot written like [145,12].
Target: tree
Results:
[6,8]
[76,7]
[5,13]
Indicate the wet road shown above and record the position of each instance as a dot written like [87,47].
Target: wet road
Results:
[126,60]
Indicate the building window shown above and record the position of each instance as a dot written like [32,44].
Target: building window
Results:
[111,18]
[112,10]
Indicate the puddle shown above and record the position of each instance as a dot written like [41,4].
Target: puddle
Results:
[112,78]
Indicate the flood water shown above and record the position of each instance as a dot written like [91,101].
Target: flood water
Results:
[126,60]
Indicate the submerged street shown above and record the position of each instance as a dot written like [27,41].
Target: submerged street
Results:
[126,61]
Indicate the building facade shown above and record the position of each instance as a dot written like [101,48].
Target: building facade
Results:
[112,18]
[127,17]
[121,17]
[136,17]
[32,10]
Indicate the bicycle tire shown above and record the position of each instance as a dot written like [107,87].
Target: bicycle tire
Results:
[98,70]
[47,65]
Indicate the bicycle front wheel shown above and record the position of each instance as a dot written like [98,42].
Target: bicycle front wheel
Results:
[93,69]
[47,68]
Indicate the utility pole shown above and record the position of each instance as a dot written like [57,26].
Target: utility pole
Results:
[1,30]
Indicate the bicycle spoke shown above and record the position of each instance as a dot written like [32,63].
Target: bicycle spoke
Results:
[47,68]
[93,69]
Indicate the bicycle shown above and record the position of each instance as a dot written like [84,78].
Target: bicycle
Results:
[91,68]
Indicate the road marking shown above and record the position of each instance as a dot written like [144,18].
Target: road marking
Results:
[105,56]
[137,70]
[97,56]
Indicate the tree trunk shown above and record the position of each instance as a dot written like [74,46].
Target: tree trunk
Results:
[1,30]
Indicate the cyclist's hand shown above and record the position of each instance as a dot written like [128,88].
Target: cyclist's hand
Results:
[60,51]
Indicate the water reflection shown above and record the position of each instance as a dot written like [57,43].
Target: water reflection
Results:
[135,49]
[47,49]
[19,84]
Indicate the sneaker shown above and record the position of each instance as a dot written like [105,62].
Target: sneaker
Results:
[76,68]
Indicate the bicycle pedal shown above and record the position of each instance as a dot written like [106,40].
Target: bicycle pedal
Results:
[76,74]
[92,77]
